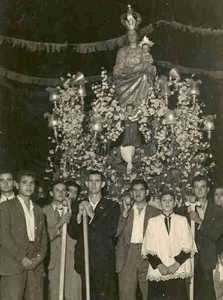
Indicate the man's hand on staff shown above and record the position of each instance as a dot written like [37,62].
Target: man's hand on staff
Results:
[126,207]
[66,217]
[85,206]
[27,263]
[194,217]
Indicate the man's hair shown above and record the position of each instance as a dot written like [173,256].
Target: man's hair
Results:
[6,171]
[200,178]
[23,173]
[139,181]
[95,172]
[56,182]
[72,182]
[166,191]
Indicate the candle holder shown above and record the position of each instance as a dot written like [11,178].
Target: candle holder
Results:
[53,94]
[209,125]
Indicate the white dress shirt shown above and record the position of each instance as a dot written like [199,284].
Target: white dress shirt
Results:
[30,219]
[201,210]
[58,208]
[94,205]
[138,224]
[3,198]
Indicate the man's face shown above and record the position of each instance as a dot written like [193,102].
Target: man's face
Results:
[218,196]
[201,189]
[139,193]
[94,184]
[59,192]
[73,191]
[132,36]
[6,183]
[167,203]
[26,186]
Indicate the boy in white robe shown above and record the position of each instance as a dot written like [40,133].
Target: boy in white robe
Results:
[168,245]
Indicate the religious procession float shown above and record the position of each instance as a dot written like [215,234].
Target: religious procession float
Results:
[141,124]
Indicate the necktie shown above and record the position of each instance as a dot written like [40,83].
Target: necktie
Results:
[59,210]
[168,224]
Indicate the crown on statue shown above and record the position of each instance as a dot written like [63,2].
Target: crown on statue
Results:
[131,20]
[146,41]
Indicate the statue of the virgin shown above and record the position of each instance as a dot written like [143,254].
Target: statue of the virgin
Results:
[134,71]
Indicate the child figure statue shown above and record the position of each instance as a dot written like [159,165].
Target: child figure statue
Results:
[131,136]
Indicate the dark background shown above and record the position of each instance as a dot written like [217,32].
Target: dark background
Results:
[23,128]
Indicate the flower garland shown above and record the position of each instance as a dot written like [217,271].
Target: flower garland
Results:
[106,109]
[174,149]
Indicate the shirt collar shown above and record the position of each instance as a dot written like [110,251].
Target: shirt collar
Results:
[169,216]
[135,208]
[94,205]
[3,198]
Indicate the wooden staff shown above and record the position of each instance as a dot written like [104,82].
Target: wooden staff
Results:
[63,257]
[192,206]
[86,255]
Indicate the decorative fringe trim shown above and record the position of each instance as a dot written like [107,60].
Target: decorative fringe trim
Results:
[106,45]
[168,277]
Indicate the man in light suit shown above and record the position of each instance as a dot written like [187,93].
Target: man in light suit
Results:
[55,219]
[130,266]
[23,244]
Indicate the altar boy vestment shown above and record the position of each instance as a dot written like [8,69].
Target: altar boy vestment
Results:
[167,241]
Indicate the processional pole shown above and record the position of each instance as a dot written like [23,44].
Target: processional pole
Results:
[86,255]
[63,257]
[192,206]
[192,260]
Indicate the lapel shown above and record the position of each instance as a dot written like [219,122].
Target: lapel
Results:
[55,214]
[37,221]
[21,217]
[147,216]
[99,210]
[208,216]
[129,226]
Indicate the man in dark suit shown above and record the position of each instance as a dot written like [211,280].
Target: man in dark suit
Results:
[130,266]
[102,228]
[23,244]
[209,227]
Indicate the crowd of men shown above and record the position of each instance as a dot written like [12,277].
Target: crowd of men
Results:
[137,250]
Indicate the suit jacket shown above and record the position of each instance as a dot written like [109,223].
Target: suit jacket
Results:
[52,219]
[14,240]
[101,236]
[208,235]
[124,234]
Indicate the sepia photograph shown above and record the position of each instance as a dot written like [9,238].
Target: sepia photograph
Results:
[111,150]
